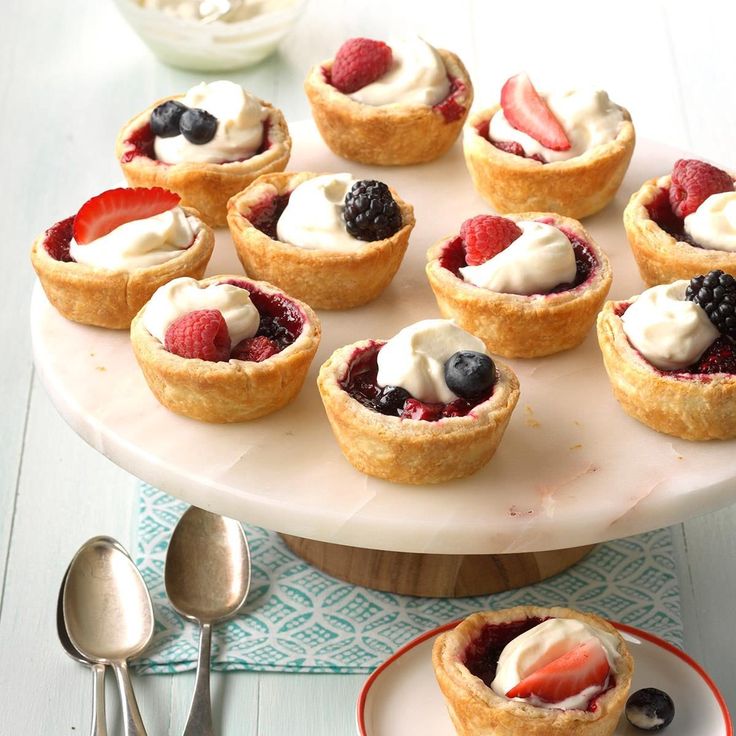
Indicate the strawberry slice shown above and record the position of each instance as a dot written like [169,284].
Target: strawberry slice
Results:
[102,214]
[528,112]
[568,675]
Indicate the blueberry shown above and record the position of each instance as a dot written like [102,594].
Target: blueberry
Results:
[650,709]
[165,119]
[198,126]
[470,375]
[391,400]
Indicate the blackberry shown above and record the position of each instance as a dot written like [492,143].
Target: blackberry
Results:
[716,294]
[371,213]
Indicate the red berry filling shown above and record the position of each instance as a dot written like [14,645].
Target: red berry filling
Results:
[512,147]
[255,349]
[362,384]
[454,257]
[450,108]
[58,238]
[140,143]
[265,214]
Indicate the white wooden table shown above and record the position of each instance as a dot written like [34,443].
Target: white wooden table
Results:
[70,73]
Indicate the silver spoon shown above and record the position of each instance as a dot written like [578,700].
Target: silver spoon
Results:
[207,579]
[109,616]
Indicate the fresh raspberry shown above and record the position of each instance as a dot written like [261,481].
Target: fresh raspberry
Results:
[415,409]
[358,62]
[693,182]
[255,349]
[720,357]
[486,236]
[58,238]
[201,334]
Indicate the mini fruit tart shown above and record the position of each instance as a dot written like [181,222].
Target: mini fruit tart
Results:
[564,153]
[528,285]
[684,224]
[671,357]
[390,105]
[224,349]
[100,266]
[427,406]
[328,239]
[533,671]
[206,145]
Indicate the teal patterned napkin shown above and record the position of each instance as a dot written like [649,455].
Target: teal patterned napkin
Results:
[298,619]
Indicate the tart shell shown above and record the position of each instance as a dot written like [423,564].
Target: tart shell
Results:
[324,279]
[577,188]
[662,259]
[205,186]
[233,391]
[103,298]
[476,710]
[689,406]
[407,450]
[518,326]
[386,134]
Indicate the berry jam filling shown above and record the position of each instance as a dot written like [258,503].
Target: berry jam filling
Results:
[450,108]
[453,259]
[282,321]
[58,238]
[511,147]
[265,214]
[481,655]
[141,143]
[660,211]
[719,357]
[362,384]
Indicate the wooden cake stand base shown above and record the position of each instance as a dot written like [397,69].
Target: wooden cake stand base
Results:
[434,575]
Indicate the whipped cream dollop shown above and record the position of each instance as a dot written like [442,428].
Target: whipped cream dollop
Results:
[538,260]
[314,219]
[541,645]
[239,132]
[139,243]
[667,329]
[415,358]
[713,224]
[184,295]
[588,117]
[417,76]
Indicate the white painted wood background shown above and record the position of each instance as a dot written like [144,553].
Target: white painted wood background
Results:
[70,73]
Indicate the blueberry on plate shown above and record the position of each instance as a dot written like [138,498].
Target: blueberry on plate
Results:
[198,126]
[391,400]
[650,709]
[470,375]
[165,118]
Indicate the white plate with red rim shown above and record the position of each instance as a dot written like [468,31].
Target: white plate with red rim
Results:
[402,697]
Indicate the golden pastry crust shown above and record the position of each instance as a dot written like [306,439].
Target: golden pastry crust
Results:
[206,186]
[407,450]
[386,135]
[103,298]
[692,408]
[476,710]
[517,326]
[661,258]
[233,391]
[577,188]
[322,278]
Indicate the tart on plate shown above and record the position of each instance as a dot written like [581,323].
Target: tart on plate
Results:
[683,224]
[533,671]
[100,266]
[328,239]
[671,359]
[224,349]
[427,406]
[206,145]
[564,153]
[527,284]
[390,105]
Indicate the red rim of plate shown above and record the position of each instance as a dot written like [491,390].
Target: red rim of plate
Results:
[360,708]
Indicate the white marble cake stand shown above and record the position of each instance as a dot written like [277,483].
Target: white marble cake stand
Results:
[572,469]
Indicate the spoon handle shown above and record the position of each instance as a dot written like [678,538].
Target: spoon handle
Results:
[99,721]
[199,721]
[133,724]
